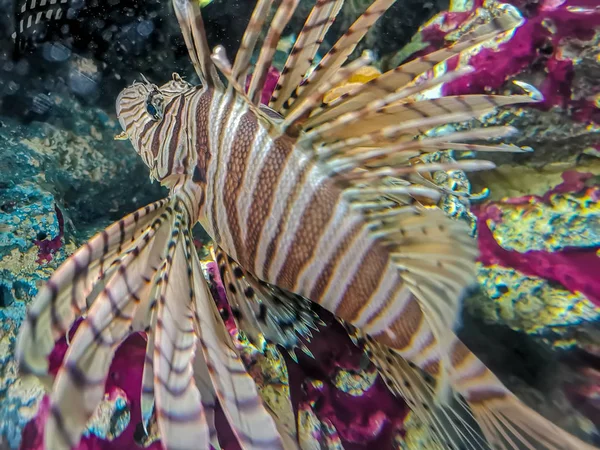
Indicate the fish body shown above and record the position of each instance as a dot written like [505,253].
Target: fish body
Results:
[307,201]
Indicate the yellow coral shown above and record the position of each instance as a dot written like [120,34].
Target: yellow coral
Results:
[528,304]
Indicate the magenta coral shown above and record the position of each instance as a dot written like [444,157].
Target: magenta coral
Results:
[574,268]
[534,45]
[125,375]
[270,84]
[48,247]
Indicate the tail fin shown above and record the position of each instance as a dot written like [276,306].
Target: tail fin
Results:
[483,413]
[142,274]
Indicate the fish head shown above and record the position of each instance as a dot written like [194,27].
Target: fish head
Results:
[141,109]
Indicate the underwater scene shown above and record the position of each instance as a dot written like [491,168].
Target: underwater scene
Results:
[299,224]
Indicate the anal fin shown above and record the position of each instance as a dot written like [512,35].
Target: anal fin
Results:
[263,311]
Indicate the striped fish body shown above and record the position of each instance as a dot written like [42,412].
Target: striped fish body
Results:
[277,211]
[33,19]
[279,214]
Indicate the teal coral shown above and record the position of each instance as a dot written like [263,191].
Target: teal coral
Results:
[70,165]
[111,418]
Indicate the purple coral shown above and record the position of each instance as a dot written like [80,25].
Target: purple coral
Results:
[125,375]
[48,247]
[535,45]
[270,84]
[574,268]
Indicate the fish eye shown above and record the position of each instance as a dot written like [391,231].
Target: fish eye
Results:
[154,104]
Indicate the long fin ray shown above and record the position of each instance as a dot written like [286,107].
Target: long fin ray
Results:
[265,58]
[482,415]
[179,410]
[79,385]
[380,114]
[67,293]
[147,391]
[252,425]
[208,395]
[264,311]
[340,52]
[241,64]
[305,48]
[192,27]
[404,78]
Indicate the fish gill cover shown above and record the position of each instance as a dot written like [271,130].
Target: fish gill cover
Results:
[534,319]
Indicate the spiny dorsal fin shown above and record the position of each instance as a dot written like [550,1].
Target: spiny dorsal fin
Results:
[251,423]
[383,113]
[220,59]
[305,48]
[450,425]
[340,52]
[241,65]
[192,27]
[481,415]
[265,58]
[70,290]
[179,411]
[80,381]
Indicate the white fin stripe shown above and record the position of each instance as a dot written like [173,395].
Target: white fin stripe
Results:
[258,153]
[390,313]
[288,180]
[337,229]
[229,133]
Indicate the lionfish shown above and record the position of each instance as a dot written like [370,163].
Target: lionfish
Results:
[306,201]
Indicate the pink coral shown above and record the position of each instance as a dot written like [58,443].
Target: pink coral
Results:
[535,45]
[125,375]
[574,268]
[270,84]
[48,247]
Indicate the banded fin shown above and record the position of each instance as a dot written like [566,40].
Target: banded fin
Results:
[241,64]
[151,286]
[265,58]
[70,290]
[251,423]
[382,114]
[394,158]
[407,79]
[192,27]
[341,50]
[305,48]
[208,396]
[264,311]
[179,410]
[450,424]
[483,414]
[80,382]
[219,57]
[147,392]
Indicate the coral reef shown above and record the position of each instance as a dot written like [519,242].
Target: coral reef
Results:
[555,51]
[552,237]
[54,174]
